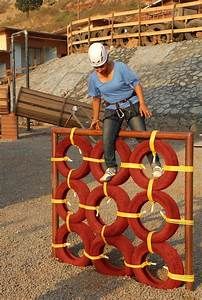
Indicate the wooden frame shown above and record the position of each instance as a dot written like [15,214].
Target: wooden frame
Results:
[184,137]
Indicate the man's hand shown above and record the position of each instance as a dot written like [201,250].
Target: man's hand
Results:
[95,124]
[144,111]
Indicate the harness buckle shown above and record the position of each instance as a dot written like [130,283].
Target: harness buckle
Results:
[120,113]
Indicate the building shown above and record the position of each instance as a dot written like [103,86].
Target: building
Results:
[43,46]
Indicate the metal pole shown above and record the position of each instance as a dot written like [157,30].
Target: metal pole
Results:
[189,210]
[27,69]
[13,98]
[139,24]
[125,133]
[55,179]
[13,75]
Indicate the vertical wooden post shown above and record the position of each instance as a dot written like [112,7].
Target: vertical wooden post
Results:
[88,31]
[139,23]
[71,38]
[112,29]
[173,19]
[54,173]
[189,210]
[68,40]
[78,9]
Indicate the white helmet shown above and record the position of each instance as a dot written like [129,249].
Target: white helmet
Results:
[97,54]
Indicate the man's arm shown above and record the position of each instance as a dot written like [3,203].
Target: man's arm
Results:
[144,110]
[96,111]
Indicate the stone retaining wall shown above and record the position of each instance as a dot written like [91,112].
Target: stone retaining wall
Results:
[171,75]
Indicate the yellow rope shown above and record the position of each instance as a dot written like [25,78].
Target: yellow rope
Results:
[129,215]
[97,160]
[94,257]
[149,190]
[149,245]
[178,168]
[181,221]
[151,142]
[142,265]
[102,234]
[65,158]
[187,278]
[67,220]
[90,207]
[131,165]
[68,178]
[71,137]
[60,245]
[58,201]
[105,189]
[180,277]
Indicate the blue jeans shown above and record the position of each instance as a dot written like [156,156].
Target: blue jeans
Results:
[112,126]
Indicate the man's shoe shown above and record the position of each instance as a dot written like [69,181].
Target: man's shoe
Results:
[109,173]
[157,171]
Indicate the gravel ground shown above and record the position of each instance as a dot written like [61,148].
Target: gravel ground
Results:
[27,269]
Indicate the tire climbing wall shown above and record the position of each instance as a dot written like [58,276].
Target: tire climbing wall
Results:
[87,223]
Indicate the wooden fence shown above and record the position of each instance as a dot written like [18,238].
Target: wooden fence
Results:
[143,26]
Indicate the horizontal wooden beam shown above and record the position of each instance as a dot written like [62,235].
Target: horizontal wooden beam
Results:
[143,10]
[133,35]
[136,23]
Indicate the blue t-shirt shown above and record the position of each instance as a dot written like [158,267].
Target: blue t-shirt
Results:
[119,88]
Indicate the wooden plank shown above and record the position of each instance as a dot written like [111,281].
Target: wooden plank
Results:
[191,29]
[81,21]
[100,17]
[53,97]
[40,94]
[4,92]
[188,17]
[101,38]
[40,102]
[3,102]
[188,4]
[36,110]
[40,117]
[55,121]
[92,29]
[4,99]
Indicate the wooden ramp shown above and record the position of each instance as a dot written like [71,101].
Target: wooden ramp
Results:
[43,107]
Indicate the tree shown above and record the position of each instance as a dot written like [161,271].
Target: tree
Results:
[28,5]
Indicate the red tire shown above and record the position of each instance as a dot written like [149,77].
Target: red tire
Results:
[61,150]
[64,254]
[96,168]
[81,190]
[122,201]
[169,156]
[172,261]
[104,266]
[171,211]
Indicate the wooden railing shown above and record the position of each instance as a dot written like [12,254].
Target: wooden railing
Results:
[140,23]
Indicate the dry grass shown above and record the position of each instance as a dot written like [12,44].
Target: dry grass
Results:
[57,13]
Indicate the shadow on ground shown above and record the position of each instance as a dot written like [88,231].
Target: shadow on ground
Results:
[25,167]
[94,287]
